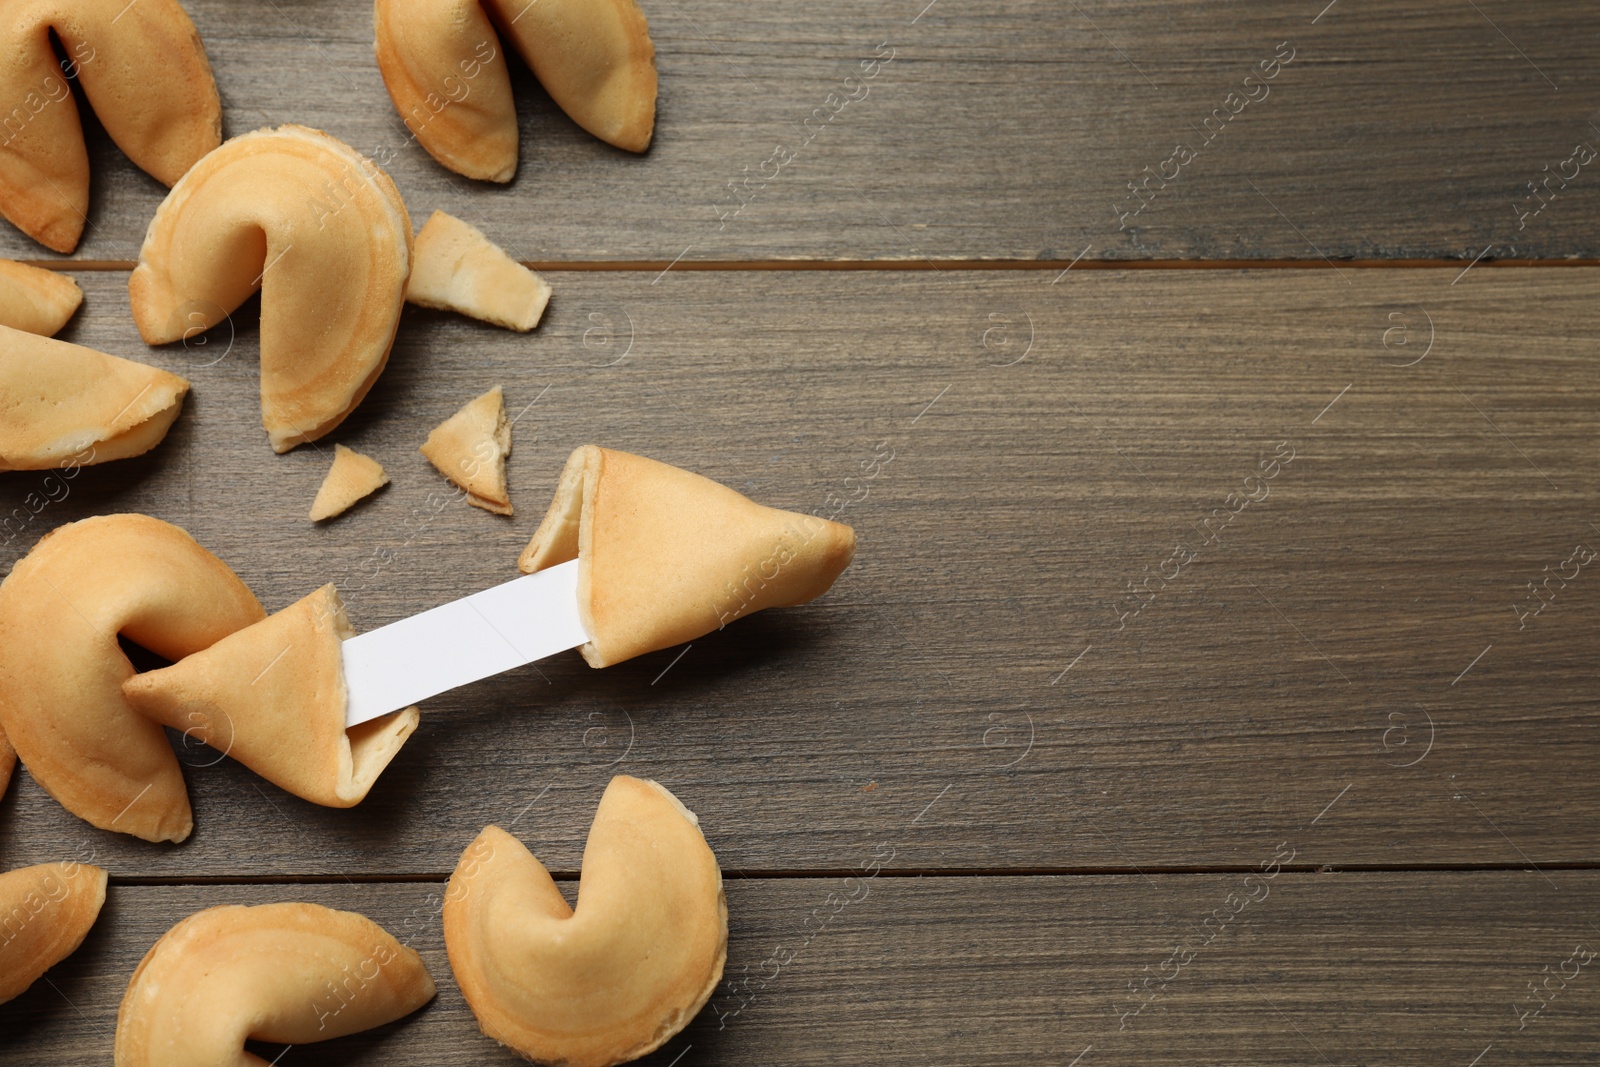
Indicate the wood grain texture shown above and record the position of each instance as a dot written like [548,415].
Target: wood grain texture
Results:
[1214,682]
[1349,968]
[999,129]
[1343,661]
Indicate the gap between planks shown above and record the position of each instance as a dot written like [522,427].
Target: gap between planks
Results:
[661,266]
[932,872]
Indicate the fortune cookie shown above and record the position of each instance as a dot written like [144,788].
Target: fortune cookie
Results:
[470,448]
[273,697]
[145,73]
[61,669]
[287,973]
[36,300]
[623,973]
[665,556]
[45,913]
[445,69]
[351,478]
[8,762]
[65,404]
[459,269]
[321,231]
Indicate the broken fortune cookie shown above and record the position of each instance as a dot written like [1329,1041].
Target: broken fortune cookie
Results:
[272,696]
[666,556]
[470,448]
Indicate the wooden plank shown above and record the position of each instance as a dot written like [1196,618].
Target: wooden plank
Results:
[1399,129]
[1284,680]
[1351,968]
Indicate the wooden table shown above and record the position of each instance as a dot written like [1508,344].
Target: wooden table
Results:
[1158,764]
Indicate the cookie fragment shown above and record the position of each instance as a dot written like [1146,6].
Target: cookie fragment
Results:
[459,269]
[470,448]
[351,478]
